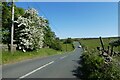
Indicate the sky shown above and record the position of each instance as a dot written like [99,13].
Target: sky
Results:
[78,19]
[63,0]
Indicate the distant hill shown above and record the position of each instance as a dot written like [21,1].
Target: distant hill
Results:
[96,38]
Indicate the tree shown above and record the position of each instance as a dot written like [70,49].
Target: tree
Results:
[68,40]
[50,39]
[30,30]
[0,21]
[49,36]
[6,20]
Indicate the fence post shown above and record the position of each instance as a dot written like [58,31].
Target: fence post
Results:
[108,50]
[111,50]
[102,45]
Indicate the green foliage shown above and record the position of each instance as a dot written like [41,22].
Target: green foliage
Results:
[94,67]
[49,36]
[0,4]
[19,55]
[68,40]
[115,43]
[18,12]
[50,39]
[67,47]
[30,30]
[6,20]
[56,45]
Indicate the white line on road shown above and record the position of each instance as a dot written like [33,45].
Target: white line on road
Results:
[35,70]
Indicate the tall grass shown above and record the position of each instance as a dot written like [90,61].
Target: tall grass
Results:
[7,57]
[17,56]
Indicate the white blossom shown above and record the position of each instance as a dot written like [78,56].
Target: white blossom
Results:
[32,34]
[20,47]
[24,50]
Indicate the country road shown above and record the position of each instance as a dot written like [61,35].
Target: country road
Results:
[57,66]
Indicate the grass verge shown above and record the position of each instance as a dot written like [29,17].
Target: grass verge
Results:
[17,56]
[67,47]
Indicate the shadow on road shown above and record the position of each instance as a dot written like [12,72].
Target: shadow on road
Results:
[77,72]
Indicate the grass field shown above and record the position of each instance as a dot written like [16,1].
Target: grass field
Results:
[93,43]
[17,56]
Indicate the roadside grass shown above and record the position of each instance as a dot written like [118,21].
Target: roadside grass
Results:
[67,47]
[0,57]
[17,56]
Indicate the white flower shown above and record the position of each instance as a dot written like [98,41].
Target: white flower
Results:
[19,47]
[21,42]
[24,50]
[32,35]
[20,24]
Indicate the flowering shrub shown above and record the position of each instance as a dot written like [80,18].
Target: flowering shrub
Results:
[30,30]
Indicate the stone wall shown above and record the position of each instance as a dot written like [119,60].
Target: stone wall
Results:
[5,47]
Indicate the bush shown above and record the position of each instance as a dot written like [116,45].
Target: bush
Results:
[115,43]
[56,45]
[29,32]
[68,40]
[94,67]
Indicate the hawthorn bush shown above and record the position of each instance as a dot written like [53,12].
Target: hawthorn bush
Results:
[30,30]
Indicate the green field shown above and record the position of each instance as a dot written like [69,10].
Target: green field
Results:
[93,43]
[17,56]
[67,47]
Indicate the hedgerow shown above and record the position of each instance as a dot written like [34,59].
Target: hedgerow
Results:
[94,67]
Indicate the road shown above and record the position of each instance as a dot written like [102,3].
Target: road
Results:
[57,66]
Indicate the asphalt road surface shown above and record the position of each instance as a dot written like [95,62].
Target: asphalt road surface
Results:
[57,66]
